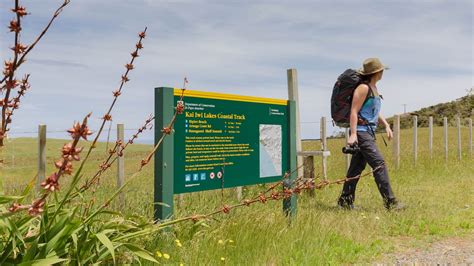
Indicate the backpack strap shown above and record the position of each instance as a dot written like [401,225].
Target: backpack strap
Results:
[370,94]
[362,120]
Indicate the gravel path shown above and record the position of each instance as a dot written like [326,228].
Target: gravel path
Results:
[452,251]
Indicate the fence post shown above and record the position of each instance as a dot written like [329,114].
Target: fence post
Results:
[293,95]
[470,136]
[458,124]
[324,147]
[309,171]
[348,156]
[396,141]
[445,125]
[238,191]
[430,143]
[41,156]
[415,139]
[120,166]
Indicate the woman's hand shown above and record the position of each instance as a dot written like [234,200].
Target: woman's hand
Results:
[389,133]
[352,139]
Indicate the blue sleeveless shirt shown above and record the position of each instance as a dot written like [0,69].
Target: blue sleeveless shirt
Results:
[370,111]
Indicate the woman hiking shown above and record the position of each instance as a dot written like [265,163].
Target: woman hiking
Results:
[364,119]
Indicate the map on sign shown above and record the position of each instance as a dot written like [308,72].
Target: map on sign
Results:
[224,140]
[270,150]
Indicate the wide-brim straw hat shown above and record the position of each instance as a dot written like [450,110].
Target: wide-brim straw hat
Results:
[371,66]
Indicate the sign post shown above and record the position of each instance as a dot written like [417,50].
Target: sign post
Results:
[252,138]
[164,161]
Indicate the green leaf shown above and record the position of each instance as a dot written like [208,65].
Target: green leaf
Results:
[107,243]
[47,261]
[140,252]
[28,188]
[6,199]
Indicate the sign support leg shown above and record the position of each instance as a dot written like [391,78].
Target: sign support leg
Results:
[289,204]
[164,164]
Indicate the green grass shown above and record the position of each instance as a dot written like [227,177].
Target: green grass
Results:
[438,195]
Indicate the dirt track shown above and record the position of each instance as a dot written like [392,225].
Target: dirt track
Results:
[453,251]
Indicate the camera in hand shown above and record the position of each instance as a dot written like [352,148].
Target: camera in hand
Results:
[351,149]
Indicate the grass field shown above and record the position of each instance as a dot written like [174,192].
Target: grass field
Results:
[439,197]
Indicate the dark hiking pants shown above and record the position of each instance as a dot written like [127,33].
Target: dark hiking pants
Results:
[370,154]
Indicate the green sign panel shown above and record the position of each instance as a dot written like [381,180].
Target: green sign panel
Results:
[220,141]
[224,141]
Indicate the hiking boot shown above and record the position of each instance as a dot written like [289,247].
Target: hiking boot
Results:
[345,205]
[394,205]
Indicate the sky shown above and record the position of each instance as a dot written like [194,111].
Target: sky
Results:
[240,47]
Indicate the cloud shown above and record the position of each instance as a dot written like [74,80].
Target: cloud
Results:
[240,47]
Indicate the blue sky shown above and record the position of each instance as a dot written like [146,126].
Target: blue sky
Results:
[242,47]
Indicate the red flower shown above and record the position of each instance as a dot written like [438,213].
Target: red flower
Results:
[107,117]
[64,165]
[275,195]
[19,48]
[15,207]
[142,34]
[134,54]
[287,193]
[262,198]
[139,45]
[226,209]
[20,11]
[116,93]
[125,79]
[51,183]
[79,130]
[36,207]
[14,26]
[8,68]
[103,166]
[180,107]
[129,66]
[11,84]
[166,130]
[71,153]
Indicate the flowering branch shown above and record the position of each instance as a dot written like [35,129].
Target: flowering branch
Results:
[70,152]
[118,150]
[129,66]
[9,81]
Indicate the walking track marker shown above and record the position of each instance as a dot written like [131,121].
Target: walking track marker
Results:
[252,138]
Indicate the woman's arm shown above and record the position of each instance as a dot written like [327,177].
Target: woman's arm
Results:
[383,121]
[358,99]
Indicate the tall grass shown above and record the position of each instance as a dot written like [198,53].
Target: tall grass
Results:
[438,195]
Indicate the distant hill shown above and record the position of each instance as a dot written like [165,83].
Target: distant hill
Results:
[463,107]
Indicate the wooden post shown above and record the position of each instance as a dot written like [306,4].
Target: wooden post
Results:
[120,166]
[309,171]
[396,141]
[293,95]
[323,147]
[41,156]
[458,124]
[415,139]
[445,125]
[430,132]
[238,191]
[348,156]
[470,137]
